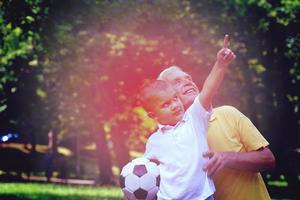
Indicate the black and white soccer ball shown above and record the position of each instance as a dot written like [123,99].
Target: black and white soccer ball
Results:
[140,179]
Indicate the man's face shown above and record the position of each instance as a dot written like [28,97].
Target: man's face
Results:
[183,84]
[166,107]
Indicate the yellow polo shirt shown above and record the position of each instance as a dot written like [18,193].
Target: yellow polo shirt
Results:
[230,130]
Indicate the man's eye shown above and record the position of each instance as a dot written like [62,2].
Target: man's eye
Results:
[189,78]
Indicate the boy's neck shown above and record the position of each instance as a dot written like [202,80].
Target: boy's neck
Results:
[173,124]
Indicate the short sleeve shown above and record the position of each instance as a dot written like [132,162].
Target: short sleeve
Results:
[249,134]
[198,113]
[149,152]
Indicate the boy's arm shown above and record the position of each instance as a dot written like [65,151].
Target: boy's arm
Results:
[224,57]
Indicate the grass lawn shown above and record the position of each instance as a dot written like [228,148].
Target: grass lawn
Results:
[43,191]
[34,191]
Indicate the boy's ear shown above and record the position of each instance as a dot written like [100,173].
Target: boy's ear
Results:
[151,115]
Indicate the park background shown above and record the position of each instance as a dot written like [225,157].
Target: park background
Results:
[70,70]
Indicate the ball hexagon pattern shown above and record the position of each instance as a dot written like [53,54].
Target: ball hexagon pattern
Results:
[140,179]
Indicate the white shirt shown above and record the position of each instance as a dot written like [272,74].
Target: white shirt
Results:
[179,149]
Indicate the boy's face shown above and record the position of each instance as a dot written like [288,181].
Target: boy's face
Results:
[166,107]
[183,85]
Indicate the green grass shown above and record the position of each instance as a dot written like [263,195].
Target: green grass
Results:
[32,191]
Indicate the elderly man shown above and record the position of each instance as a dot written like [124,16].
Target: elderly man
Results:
[238,150]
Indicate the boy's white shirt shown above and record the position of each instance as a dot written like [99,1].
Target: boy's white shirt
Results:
[179,149]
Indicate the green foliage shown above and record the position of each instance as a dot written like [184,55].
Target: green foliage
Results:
[20,41]
[283,11]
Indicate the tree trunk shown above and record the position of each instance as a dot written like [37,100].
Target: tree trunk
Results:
[119,140]
[104,160]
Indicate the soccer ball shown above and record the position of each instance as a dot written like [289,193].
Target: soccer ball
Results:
[140,179]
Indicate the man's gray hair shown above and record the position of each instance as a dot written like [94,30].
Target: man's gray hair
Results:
[167,70]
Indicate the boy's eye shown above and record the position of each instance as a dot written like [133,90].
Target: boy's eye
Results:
[165,105]
[177,81]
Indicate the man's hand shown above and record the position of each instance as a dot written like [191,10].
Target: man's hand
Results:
[216,162]
[252,161]
[225,56]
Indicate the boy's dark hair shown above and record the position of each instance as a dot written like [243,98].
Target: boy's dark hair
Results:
[151,89]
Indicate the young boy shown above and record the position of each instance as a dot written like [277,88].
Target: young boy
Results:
[180,139]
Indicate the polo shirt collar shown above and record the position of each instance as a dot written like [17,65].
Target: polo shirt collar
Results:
[212,117]
[164,128]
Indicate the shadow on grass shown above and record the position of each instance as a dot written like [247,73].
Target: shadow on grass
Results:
[56,197]
[10,197]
